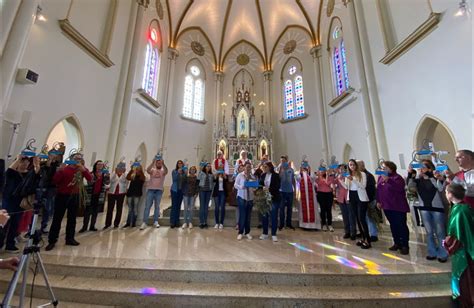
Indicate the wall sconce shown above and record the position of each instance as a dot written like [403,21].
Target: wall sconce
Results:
[39,16]
[464,9]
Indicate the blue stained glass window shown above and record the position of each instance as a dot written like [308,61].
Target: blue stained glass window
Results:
[293,95]
[344,65]
[151,70]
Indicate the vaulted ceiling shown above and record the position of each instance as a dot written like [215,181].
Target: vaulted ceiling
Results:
[259,23]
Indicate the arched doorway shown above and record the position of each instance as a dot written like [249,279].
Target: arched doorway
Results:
[68,131]
[348,153]
[140,154]
[434,130]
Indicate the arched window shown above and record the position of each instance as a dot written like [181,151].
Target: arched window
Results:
[338,58]
[194,89]
[293,90]
[152,60]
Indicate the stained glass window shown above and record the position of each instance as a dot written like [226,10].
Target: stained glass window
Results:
[193,101]
[289,104]
[299,99]
[344,64]
[338,71]
[152,65]
[293,94]
[339,60]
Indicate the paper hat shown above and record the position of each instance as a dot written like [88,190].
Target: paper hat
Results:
[121,165]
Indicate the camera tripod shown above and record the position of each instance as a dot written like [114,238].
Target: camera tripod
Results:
[31,249]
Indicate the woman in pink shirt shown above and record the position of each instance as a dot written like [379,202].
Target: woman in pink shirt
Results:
[324,185]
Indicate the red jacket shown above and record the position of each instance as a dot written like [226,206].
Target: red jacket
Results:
[63,179]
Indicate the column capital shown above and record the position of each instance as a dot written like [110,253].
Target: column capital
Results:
[172,53]
[144,3]
[316,51]
[219,75]
[267,75]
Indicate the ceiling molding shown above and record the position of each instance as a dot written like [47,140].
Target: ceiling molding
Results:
[262,30]
[226,18]
[318,33]
[242,42]
[199,29]
[170,26]
[308,20]
[280,37]
[181,21]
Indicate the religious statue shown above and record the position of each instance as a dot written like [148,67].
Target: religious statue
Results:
[242,124]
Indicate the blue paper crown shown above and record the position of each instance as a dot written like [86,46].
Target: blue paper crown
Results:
[381,172]
[71,162]
[335,166]
[203,164]
[251,184]
[416,165]
[442,168]
[158,157]
[220,171]
[322,169]
[136,164]
[345,174]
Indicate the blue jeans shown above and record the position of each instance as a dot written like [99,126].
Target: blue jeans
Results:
[286,202]
[245,214]
[436,232]
[219,212]
[176,200]
[188,208]
[48,209]
[152,195]
[372,225]
[204,198]
[274,216]
[398,226]
[348,217]
[133,203]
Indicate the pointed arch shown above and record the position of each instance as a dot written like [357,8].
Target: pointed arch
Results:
[347,153]
[237,44]
[435,130]
[244,70]
[281,36]
[68,130]
[290,59]
[142,152]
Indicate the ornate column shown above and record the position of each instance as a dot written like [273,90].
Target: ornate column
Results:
[219,79]
[130,78]
[267,98]
[172,56]
[319,84]
[364,92]
[13,53]
[123,82]
[374,101]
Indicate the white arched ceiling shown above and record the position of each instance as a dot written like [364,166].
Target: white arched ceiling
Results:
[259,22]
[196,36]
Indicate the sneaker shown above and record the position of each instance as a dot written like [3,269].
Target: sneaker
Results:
[331,229]
[441,260]
[263,237]
[237,227]
[216,226]
[190,226]
[365,245]
[221,226]
[249,236]
[274,238]
[13,249]
[430,258]
[239,237]
[184,226]
[324,228]
[143,226]
[44,231]
[126,226]
[156,224]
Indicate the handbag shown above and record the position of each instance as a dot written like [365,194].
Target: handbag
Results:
[451,244]
[27,202]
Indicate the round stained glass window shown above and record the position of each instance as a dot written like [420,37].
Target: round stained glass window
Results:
[292,70]
[195,70]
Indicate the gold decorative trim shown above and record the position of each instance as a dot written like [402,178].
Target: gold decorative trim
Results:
[170,26]
[199,29]
[180,21]
[77,38]
[341,97]
[318,33]
[226,19]
[283,121]
[237,44]
[281,36]
[262,30]
[414,38]
[148,98]
[308,20]
[193,120]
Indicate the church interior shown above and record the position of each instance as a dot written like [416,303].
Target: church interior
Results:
[320,81]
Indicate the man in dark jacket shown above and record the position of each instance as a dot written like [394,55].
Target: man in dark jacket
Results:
[371,193]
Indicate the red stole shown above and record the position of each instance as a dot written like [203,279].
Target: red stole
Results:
[216,163]
[307,199]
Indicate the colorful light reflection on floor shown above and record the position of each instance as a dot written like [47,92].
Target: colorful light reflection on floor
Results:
[394,257]
[327,246]
[345,262]
[301,247]
[372,267]
[343,243]
[149,291]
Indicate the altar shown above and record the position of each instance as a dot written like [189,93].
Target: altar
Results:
[243,129]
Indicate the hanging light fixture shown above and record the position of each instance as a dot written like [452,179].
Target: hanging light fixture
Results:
[464,9]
